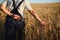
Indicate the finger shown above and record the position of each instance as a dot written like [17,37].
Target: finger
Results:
[19,18]
[15,17]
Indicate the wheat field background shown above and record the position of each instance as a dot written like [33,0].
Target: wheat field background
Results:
[33,31]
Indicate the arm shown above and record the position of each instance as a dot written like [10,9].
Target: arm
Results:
[6,11]
[33,13]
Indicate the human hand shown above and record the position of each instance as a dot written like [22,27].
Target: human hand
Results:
[16,17]
[43,24]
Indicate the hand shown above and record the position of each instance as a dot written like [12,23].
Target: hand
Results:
[16,17]
[43,24]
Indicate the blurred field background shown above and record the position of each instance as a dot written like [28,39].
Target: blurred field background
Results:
[47,12]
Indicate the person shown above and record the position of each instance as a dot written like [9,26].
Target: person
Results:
[14,21]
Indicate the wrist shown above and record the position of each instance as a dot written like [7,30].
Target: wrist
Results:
[11,14]
[40,20]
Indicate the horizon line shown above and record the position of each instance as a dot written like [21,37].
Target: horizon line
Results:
[45,2]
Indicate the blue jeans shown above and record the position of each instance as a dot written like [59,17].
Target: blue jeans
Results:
[12,26]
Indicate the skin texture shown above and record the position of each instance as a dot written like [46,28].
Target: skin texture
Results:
[17,17]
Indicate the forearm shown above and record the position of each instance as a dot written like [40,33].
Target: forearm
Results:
[6,11]
[33,13]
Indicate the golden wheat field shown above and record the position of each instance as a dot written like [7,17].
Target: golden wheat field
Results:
[33,31]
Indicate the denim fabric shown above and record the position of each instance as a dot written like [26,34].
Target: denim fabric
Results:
[11,26]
